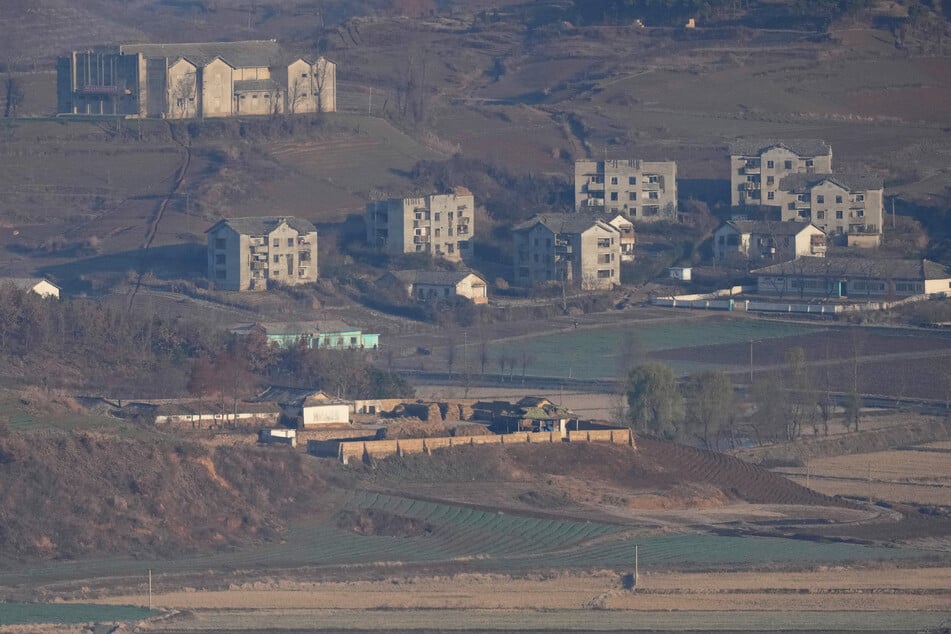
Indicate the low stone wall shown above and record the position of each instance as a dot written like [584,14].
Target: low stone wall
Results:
[361,450]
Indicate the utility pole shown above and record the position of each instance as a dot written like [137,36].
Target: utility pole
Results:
[751,362]
[150,589]
[370,103]
[636,565]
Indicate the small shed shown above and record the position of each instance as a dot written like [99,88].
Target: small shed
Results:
[681,273]
[321,409]
[278,437]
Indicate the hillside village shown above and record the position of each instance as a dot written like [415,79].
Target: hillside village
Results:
[340,301]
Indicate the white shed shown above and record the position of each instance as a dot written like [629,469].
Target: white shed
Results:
[681,273]
[38,285]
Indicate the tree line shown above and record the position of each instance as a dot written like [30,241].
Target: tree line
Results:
[85,345]
[704,409]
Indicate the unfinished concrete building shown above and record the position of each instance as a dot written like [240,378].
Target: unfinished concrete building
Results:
[641,190]
[758,166]
[439,225]
[249,254]
[577,248]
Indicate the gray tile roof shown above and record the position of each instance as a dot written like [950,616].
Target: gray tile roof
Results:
[878,268]
[432,277]
[244,54]
[264,225]
[24,283]
[851,182]
[768,227]
[802,147]
[564,223]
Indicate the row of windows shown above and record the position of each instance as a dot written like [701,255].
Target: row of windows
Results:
[651,195]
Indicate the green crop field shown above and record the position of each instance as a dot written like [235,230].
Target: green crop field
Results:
[64,613]
[480,540]
[589,354]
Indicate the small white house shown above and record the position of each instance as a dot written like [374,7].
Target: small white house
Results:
[322,409]
[38,285]
[681,273]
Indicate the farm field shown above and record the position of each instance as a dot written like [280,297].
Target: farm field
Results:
[67,613]
[912,476]
[598,353]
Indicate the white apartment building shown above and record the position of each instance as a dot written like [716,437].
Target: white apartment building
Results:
[580,249]
[850,209]
[641,190]
[248,254]
[757,167]
[439,225]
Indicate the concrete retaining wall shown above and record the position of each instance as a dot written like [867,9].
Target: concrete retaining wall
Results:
[359,450]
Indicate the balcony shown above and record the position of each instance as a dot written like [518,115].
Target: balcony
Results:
[258,265]
[257,242]
[420,239]
[595,187]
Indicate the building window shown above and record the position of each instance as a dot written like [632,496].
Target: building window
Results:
[436,216]
[787,165]
[653,195]
[770,180]
[770,165]
[838,214]
[604,273]
[803,213]
[276,243]
[614,180]
[290,242]
[653,179]
[613,195]
[303,74]
[632,180]
[277,259]
[820,199]
[770,195]
[859,198]
[604,243]
[820,215]
[810,163]
[838,200]
[220,259]
[220,243]
[632,196]
[450,247]
[437,232]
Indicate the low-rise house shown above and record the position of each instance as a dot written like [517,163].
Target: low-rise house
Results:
[306,408]
[200,415]
[328,333]
[642,190]
[850,207]
[439,225]
[247,254]
[757,167]
[439,285]
[572,248]
[854,277]
[768,240]
[38,285]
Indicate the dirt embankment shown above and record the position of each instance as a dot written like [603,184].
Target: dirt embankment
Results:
[65,496]
[806,449]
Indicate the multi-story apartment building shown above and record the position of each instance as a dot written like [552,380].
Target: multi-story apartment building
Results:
[246,254]
[850,209]
[439,225]
[757,167]
[183,81]
[641,190]
[575,248]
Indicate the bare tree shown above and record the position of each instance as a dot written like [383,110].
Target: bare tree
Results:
[14,95]
[324,82]
[184,93]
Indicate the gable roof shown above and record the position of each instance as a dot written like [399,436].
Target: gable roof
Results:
[769,227]
[565,223]
[850,182]
[26,283]
[241,54]
[802,147]
[878,268]
[264,225]
[435,278]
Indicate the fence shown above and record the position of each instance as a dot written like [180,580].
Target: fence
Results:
[363,450]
